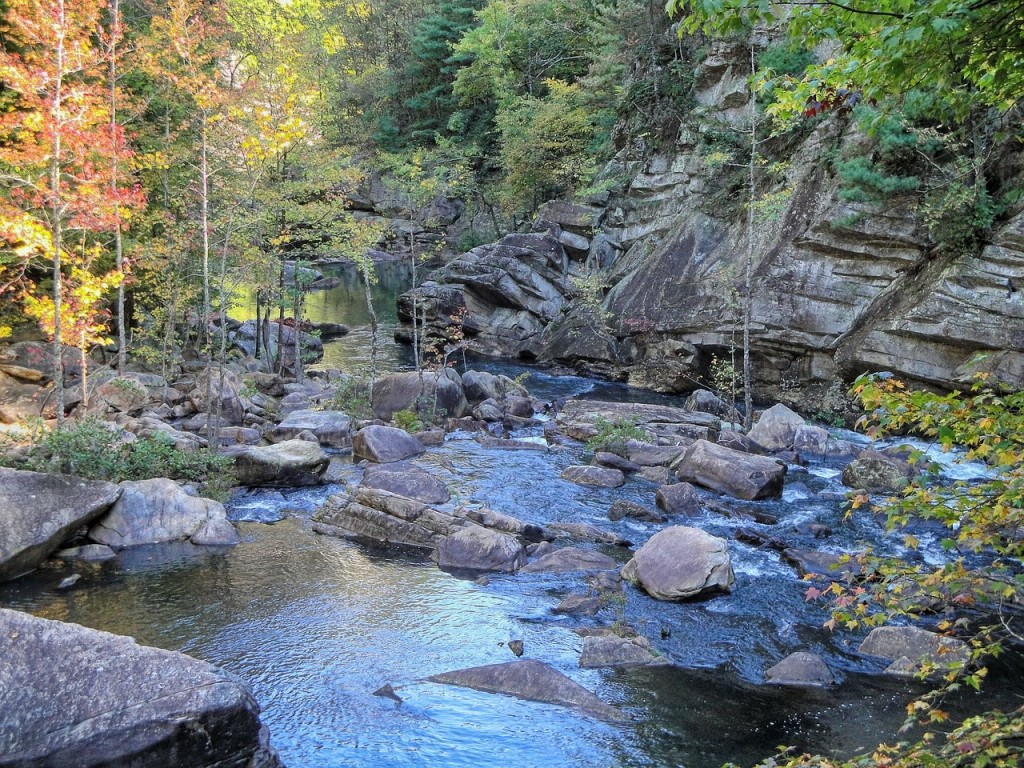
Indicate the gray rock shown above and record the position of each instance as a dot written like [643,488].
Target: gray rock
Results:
[159,510]
[776,429]
[623,509]
[586,532]
[740,442]
[87,553]
[217,532]
[578,604]
[384,518]
[533,681]
[614,651]
[480,549]
[405,479]
[909,648]
[876,472]
[331,428]
[800,668]
[480,386]
[39,512]
[112,702]
[678,499]
[499,521]
[569,559]
[583,474]
[291,464]
[402,391]
[614,461]
[681,563]
[732,472]
[383,444]
[707,402]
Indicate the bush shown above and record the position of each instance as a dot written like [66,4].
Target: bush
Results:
[612,436]
[91,449]
[352,396]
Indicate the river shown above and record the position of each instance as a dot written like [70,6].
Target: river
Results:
[314,625]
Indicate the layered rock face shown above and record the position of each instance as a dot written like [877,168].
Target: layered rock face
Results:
[836,289]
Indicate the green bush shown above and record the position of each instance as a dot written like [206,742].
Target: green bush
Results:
[612,436]
[407,420]
[352,396]
[90,449]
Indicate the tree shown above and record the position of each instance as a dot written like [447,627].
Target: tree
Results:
[971,51]
[56,140]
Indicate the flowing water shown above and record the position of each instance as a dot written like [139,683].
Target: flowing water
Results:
[314,625]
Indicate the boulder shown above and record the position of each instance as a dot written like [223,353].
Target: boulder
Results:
[569,559]
[534,681]
[158,510]
[800,668]
[740,442]
[410,392]
[223,392]
[73,696]
[332,429]
[405,479]
[623,509]
[776,429]
[705,401]
[383,444]
[293,463]
[480,549]
[87,553]
[614,461]
[587,532]
[506,523]
[876,472]
[39,512]
[732,472]
[480,386]
[681,563]
[602,477]
[614,651]
[21,400]
[678,499]
[911,648]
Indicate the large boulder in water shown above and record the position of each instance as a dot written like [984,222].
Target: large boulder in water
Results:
[405,479]
[72,696]
[158,510]
[384,444]
[39,511]
[876,472]
[481,385]
[533,681]
[725,470]
[909,648]
[291,464]
[681,563]
[776,429]
[480,549]
[800,669]
[438,393]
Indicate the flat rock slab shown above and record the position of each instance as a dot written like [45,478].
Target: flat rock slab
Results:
[39,511]
[480,549]
[534,681]
[72,696]
[291,464]
[586,474]
[407,480]
[383,444]
[569,559]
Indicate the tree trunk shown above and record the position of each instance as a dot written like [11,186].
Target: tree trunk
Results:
[748,398]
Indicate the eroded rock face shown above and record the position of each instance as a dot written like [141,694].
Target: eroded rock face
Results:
[111,702]
[732,472]
[534,681]
[158,510]
[681,563]
[39,511]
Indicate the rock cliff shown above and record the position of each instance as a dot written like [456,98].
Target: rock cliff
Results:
[648,283]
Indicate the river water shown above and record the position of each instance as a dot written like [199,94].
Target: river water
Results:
[314,625]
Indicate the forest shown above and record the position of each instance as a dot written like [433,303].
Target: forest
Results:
[160,159]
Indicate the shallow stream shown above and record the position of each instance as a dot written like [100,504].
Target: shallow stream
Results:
[314,625]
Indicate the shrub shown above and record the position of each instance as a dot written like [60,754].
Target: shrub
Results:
[352,395]
[612,436]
